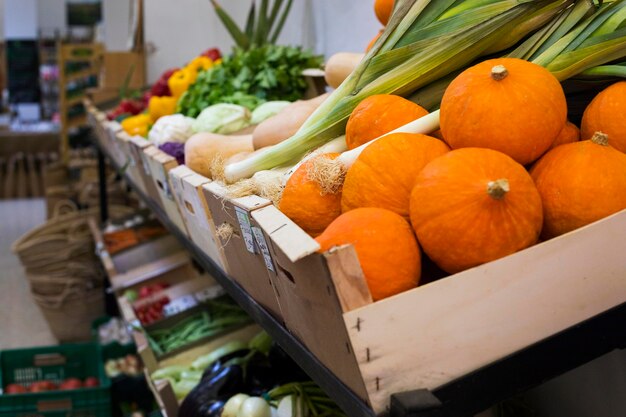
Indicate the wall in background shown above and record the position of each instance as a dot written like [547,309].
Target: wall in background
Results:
[179,35]
[20,19]
[51,16]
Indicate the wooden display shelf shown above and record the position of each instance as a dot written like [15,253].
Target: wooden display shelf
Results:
[345,343]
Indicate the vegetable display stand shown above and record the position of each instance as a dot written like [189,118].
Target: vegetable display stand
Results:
[248,260]
[188,187]
[131,166]
[162,388]
[160,164]
[54,365]
[445,349]
[112,129]
[434,334]
[138,146]
[161,258]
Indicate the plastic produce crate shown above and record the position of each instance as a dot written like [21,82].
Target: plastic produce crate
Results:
[54,363]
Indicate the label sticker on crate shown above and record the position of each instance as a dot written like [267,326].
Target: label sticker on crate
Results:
[209,293]
[260,240]
[246,231]
[179,305]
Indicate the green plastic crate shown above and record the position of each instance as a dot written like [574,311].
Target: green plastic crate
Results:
[54,363]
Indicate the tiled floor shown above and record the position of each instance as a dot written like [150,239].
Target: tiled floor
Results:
[21,321]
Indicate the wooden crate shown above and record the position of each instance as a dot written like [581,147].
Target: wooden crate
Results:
[114,147]
[195,211]
[132,168]
[162,389]
[160,164]
[247,255]
[137,147]
[431,335]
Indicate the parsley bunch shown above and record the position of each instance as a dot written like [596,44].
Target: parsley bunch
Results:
[250,78]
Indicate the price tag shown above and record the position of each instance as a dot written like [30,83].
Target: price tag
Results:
[260,240]
[179,305]
[246,231]
[209,293]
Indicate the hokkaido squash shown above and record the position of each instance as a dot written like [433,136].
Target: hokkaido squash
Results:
[304,202]
[607,113]
[580,183]
[506,104]
[473,206]
[569,134]
[383,10]
[377,115]
[384,174]
[373,41]
[385,245]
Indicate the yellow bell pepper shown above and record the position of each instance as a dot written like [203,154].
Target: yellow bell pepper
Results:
[180,81]
[137,125]
[161,106]
[200,63]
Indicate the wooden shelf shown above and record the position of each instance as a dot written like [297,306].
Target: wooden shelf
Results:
[465,396]
[89,72]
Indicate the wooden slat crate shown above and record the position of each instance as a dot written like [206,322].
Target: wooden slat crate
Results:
[431,335]
[247,256]
[162,389]
[131,166]
[137,147]
[195,211]
[160,164]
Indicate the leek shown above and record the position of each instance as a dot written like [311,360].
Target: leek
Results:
[582,50]
[449,38]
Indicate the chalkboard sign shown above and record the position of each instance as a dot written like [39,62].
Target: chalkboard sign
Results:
[84,13]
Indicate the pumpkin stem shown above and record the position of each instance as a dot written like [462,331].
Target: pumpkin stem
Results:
[600,138]
[499,72]
[497,189]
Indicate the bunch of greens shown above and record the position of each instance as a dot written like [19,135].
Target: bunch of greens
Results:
[250,78]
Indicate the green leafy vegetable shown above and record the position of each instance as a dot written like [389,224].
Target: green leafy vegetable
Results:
[250,78]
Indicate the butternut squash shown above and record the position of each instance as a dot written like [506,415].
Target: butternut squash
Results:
[203,149]
[339,66]
[286,123]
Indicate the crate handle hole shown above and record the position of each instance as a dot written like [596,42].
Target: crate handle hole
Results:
[160,184]
[286,273]
[189,207]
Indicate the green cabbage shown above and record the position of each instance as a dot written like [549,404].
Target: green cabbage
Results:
[267,110]
[222,118]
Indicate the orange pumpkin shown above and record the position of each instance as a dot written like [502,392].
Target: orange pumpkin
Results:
[506,104]
[385,245]
[384,174]
[569,134]
[383,10]
[373,41]
[473,206]
[607,113]
[377,115]
[580,183]
[304,202]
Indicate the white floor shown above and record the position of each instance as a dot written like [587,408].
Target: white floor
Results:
[21,321]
